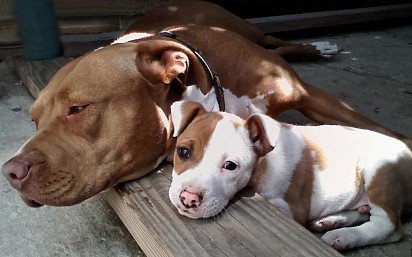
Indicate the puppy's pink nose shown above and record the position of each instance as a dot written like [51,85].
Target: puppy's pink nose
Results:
[190,198]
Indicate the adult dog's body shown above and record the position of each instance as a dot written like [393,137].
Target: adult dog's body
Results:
[103,118]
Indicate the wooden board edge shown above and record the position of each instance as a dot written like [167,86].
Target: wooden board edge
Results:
[282,23]
[128,215]
[22,71]
[330,18]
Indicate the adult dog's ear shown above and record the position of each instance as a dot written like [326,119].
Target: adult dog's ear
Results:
[161,61]
[263,132]
[183,113]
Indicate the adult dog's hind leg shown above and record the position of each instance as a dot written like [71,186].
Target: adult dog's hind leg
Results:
[328,109]
[295,51]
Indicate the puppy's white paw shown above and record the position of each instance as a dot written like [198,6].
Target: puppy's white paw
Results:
[340,239]
[324,224]
[326,49]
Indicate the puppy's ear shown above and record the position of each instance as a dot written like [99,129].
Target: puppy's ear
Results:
[183,113]
[263,132]
[161,61]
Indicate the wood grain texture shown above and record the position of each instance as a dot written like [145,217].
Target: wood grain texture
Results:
[36,74]
[249,226]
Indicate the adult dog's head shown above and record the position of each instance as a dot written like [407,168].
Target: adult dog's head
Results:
[102,120]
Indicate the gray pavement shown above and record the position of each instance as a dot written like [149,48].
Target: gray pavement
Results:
[87,229]
[373,73]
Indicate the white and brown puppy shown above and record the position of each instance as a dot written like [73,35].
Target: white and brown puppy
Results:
[327,177]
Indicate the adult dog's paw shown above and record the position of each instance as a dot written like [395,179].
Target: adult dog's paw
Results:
[326,49]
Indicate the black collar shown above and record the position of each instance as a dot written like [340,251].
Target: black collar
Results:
[213,78]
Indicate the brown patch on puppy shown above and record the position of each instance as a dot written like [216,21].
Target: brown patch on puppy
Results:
[390,189]
[195,138]
[359,181]
[299,193]
[318,155]
[258,175]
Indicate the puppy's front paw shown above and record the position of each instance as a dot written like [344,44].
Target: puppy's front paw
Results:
[340,239]
[322,225]
[325,48]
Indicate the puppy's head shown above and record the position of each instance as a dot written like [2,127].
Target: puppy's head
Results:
[214,158]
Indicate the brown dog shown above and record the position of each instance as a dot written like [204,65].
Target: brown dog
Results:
[103,118]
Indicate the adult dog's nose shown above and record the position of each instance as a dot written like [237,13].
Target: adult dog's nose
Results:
[15,170]
[190,198]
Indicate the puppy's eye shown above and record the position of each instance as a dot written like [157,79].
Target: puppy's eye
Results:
[76,109]
[229,165]
[183,152]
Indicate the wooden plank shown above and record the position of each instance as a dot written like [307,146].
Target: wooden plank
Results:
[97,8]
[331,18]
[76,45]
[64,8]
[249,226]
[96,25]
[98,28]
[80,30]
[36,74]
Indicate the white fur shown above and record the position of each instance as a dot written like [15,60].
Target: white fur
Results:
[349,154]
[286,154]
[208,101]
[378,230]
[177,116]
[327,198]
[218,185]
[130,37]
[326,49]
[163,118]
[337,220]
[241,106]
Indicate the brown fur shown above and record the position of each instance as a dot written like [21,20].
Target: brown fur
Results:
[194,141]
[120,135]
[90,145]
[318,155]
[258,175]
[299,193]
[359,181]
[390,189]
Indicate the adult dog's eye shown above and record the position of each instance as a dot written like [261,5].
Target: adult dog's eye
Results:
[76,109]
[183,152]
[229,165]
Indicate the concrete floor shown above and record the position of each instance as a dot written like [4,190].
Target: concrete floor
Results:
[373,73]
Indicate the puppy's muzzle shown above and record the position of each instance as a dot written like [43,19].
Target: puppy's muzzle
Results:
[190,198]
